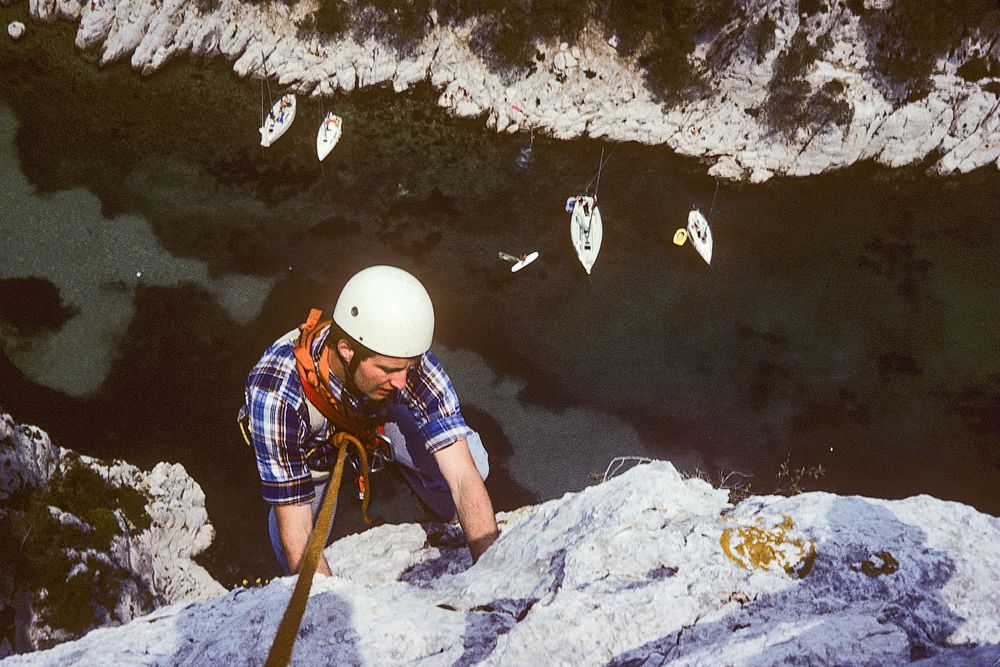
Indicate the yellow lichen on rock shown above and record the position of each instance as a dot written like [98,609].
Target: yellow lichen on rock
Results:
[761,547]
[888,566]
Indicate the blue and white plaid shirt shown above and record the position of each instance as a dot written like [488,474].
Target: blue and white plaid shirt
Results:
[279,417]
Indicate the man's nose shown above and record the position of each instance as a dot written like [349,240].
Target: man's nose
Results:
[398,379]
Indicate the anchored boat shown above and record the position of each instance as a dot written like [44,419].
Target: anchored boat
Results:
[278,120]
[587,230]
[328,135]
[700,234]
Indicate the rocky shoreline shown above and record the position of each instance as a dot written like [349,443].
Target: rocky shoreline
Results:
[588,89]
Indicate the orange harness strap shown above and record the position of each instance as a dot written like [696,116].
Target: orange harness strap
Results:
[317,389]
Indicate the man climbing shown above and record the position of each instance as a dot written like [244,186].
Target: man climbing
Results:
[382,385]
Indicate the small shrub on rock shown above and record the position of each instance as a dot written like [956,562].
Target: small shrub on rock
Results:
[907,38]
[59,555]
[978,68]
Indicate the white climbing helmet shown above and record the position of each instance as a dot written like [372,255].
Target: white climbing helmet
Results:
[388,311]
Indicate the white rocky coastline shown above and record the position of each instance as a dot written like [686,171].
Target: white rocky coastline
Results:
[583,90]
[647,568]
[154,565]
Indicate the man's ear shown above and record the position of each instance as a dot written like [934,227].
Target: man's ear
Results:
[345,351]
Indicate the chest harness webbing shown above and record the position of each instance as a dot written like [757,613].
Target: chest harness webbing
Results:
[318,392]
[350,429]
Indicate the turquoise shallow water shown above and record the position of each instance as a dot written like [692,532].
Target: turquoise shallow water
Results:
[847,320]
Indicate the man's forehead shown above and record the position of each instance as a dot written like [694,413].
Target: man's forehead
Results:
[393,363]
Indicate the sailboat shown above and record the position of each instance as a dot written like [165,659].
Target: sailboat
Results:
[700,234]
[278,119]
[587,230]
[586,227]
[328,135]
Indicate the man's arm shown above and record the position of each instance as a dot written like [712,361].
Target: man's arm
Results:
[295,524]
[475,510]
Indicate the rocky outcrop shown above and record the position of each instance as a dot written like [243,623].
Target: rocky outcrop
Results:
[589,89]
[106,581]
[647,568]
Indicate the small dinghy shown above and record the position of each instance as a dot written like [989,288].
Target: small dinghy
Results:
[328,135]
[279,118]
[519,262]
[700,235]
[587,230]
[525,154]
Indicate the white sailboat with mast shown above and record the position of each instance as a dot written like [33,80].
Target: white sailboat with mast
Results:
[279,118]
[586,227]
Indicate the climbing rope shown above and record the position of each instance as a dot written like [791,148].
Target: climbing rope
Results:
[281,648]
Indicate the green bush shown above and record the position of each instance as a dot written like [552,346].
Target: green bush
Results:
[401,24]
[662,34]
[763,38]
[633,22]
[783,113]
[505,39]
[978,68]
[331,18]
[508,30]
[795,61]
[560,19]
[80,489]
[105,526]
[40,545]
[906,39]
[791,103]
[857,7]
[752,40]
[827,107]
[669,73]
[811,7]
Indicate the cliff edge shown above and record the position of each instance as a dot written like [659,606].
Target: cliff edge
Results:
[646,568]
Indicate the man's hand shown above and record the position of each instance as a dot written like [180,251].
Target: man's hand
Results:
[295,524]
[475,510]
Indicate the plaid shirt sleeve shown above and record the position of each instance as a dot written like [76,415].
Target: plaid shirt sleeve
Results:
[435,403]
[277,430]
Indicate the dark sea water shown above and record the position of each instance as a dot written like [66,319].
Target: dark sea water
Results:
[848,321]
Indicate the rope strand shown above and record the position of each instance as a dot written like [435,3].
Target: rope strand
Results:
[284,640]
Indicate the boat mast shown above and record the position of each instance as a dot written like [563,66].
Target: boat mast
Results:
[600,165]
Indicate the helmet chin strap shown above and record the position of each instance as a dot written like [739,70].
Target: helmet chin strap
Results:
[350,368]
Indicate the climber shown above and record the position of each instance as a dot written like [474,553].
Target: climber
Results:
[386,388]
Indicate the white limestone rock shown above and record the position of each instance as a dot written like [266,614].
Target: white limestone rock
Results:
[647,568]
[911,132]
[152,567]
[27,457]
[760,175]
[976,132]
[726,168]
